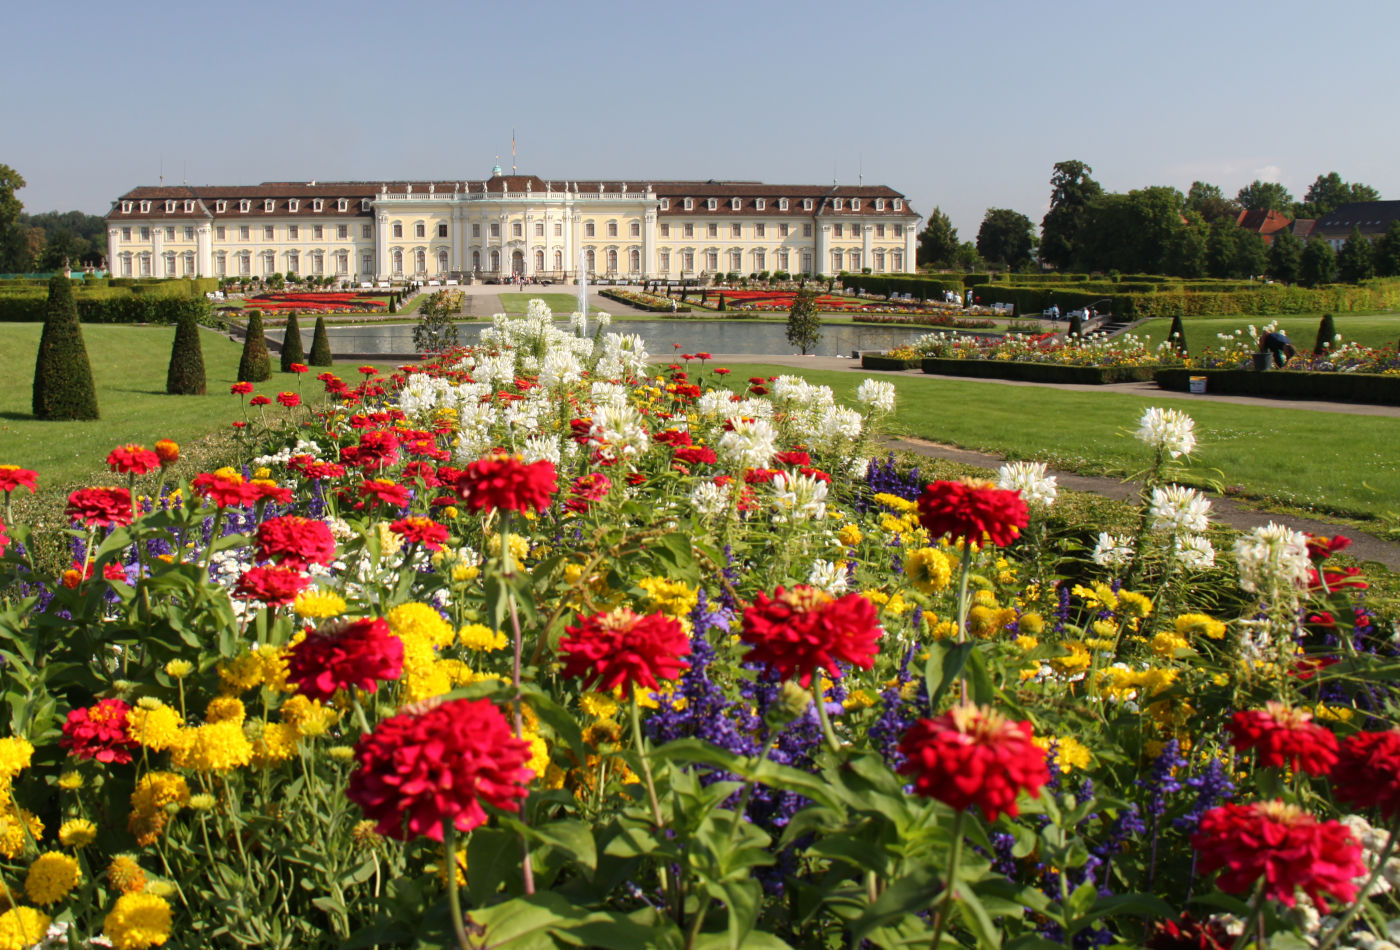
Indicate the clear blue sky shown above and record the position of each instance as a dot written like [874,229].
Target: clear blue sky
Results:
[963,105]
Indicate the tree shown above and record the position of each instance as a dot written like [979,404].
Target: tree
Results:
[968,259]
[1318,265]
[255,364]
[1006,237]
[1265,196]
[1285,256]
[185,377]
[11,239]
[1071,191]
[320,346]
[1387,252]
[938,241]
[435,331]
[1329,192]
[804,327]
[1356,263]
[1177,337]
[1326,334]
[63,387]
[1211,204]
[291,343]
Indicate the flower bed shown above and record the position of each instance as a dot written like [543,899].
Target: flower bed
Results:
[526,647]
[317,302]
[887,361]
[1039,372]
[645,301]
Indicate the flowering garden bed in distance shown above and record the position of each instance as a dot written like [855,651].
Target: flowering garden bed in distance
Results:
[529,646]
[780,301]
[330,302]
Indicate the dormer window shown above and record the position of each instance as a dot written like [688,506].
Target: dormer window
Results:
[316,205]
[734,204]
[341,205]
[665,204]
[291,205]
[879,204]
[759,203]
[221,206]
[806,204]
[268,205]
[126,207]
[170,207]
[836,204]
[898,204]
[690,204]
[245,205]
[711,203]
[782,204]
[855,204]
[189,207]
[145,207]
[364,204]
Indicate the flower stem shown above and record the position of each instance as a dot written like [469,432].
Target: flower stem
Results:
[454,900]
[945,909]
[1253,921]
[527,869]
[964,575]
[819,697]
[650,784]
[1355,907]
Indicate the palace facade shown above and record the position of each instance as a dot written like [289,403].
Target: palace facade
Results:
[508,225]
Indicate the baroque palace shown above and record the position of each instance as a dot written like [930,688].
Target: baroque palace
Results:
[508,225]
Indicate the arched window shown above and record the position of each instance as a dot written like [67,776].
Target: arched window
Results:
[189,263]
[476,260]
[442,262]
[496,262]
[835,261]
[558,260]
[634,261]
[318,263]
[590,262]
[293,262]
[539,260]
[760,260]
[612,260]
[420,261]
[397,261]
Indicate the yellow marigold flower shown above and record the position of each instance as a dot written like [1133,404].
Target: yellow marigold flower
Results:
[215,747]
[225,709]
[1200,625]
[598,705]
[203,802]
[70,781]
[15,755]
[1166,643]
[262,473]
[894,502]
[440,868]
[365,833]
[1335,713]
[341,753]
[929,570]
[241,673]
[1100,595]
[22,927]
[77,833]
[449,513]
[984,598]
[309,716]
[850,535]
[125,874]
[539,753]
[409,621]
[898,606]
[390,543]
[877,597]
[465,573]
[138,921]
[1075,661]
[1032,623]
[13,824]
[277,743]
[318,604]
[1025,643]
[672,598]
[890,524]
[1070,753]
[940,629]
[478,636]
[1133,604]
[274,663]
[1221,679]
[51,877]
[859,699]
[602,734]
[422,681]
[179,669]
[519,549]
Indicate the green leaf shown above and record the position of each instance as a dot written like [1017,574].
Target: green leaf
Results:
[493,856]
[757,940]
[904,897]
[1138,905]
[973,914]
[558,718]
[741,897]
[946,660]
[573,837]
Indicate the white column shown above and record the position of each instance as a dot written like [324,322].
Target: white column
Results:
[649,243]
[381,246]
[911,246]
[113,236]
[821,259]
[158,252]
[204,250]
[867,232]
[529,243]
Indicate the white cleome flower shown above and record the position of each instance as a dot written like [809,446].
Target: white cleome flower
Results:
[1273,561]
[1168,429]
[1176,509]
[750,444]
[1194,551]
[1113,550]
[799,497]
[709,499]
[828,576]
[1030,480]
[876,396]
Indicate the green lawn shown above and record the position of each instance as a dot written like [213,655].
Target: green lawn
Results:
[561,304]
[1376,330]
[1336,463]
[128,366]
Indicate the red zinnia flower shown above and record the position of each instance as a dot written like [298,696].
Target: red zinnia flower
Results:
[168,451]
[696,454]
[1189,934]
[369,370]
[300,368]
[12,477]
[417,770]
[355,655]
[506,481]
[1367,773]
[1321,547]
[290,400]
[100,506]
[241,389]
[721,371]
[132,459]
[424,531]
[99,732]
[260,401]
[1284,845]
[225,488]
[1280,733]
[274,586]
[802,630]
[971,508]
[295,542]
[621,648]
[385,491]
[973,755]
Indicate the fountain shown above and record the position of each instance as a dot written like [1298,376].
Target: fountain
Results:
[582,295]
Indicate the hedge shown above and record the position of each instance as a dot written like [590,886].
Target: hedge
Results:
[883,285]
[1262,300]
[109,305]
[885,361]
[1038,372]
[1289,384]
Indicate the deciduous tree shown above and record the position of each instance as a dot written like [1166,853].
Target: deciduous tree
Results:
[11,239]
[1318,264]
[1006,237]
[1211,204]
[1387,252]
[1265,196]
[1329,192]
[804,326]
[1285,256]
[1071,191]
[1356,262]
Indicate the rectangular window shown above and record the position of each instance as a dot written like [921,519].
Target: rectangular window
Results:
[189,234]
[665,204]
[126,234]
[666,262]
[367,264]
[495,229]
[219,233]
[712,260]
[760,230]
[636,229]
[539,229]
[760,260]
[292,204]
[736,230]
[879,230]
[267,232]
[665,230]
[838,230]
[145,234]
[713,230]
[588,229]
[689,230]
[687,260]
[268,206]
[243,233]
[364,230]
[342,231]
[293,232]
[476,230]
[558,229]
[398,230]
[807,206]
[759,203]
[221,206]
[317,232]
[612,229]
[855,204]
[419,230]
[170,234]
[688,204]
[782,230]
[736,260]
[442,230]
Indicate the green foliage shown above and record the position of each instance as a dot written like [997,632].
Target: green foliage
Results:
[291,343]
[1177,334]
[1329,192]
[1318,264]
[804,326]
[1326,333]
[1076,324]
[1387,252]
[185,377]
[938,241]
[1293,384]
[14,252]
[1006,237]
[436,330]
[1265,196]
[320,346]
[1356,262]
[63,387]
[1285,256]
[255,364]
[1211,204]
[1071,191]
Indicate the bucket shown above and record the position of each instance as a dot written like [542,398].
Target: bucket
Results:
[1263,361]
[1198,384]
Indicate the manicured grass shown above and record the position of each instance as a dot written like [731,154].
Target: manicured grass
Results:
[561,304]
[1376,330]
[129,366]
[1327,462]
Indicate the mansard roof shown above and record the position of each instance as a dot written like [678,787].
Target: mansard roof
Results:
[1371,217]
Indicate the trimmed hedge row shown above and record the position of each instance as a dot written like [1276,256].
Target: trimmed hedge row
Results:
[1289,384]
[1038,372]
[108,307]
[1260,301]
[884,361]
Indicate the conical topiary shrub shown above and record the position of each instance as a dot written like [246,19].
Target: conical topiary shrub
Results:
[291,343]
[1177,336]
[1326,335]
[1076,324]
[256,365]
[63,387]
[320,346]
[186,374]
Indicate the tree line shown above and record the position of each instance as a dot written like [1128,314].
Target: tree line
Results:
[42,242]
[1159,230]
